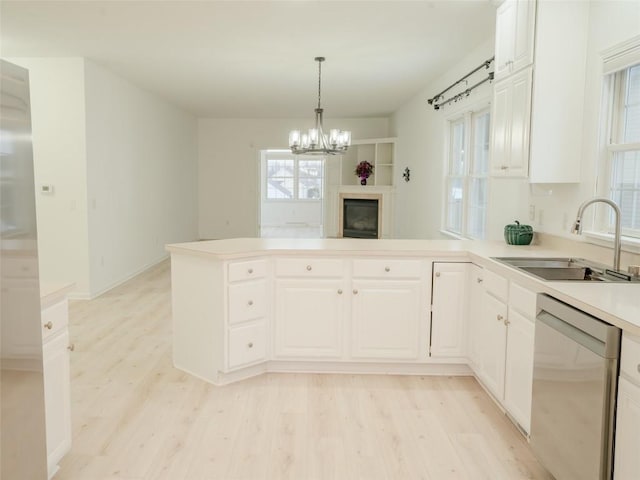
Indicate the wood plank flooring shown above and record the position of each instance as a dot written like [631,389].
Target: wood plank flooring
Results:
[136,417]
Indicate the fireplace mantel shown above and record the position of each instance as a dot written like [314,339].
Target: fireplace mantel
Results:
[384,195]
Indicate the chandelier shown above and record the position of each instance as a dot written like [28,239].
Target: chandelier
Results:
[316,142]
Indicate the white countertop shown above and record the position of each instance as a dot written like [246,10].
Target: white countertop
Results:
[51,293]
[616,303]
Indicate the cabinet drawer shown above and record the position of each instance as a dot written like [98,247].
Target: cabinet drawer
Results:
[522,300]
[309,267]
[496,285]
[247,270]
[54,319]
[389,268]
[247,344]
[26,267]
[247,301]
[630,358]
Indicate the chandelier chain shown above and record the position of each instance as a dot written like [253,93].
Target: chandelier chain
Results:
[319,80]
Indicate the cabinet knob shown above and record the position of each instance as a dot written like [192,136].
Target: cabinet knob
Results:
[308,268]
[48,325]
[437,274]
[355,291]
[339,291]
[506,321]
[500,318]
[479,280]
[639,368]
[503,167]
[250,271]
[71,347]
[250,302]
[387,269]
[250,345]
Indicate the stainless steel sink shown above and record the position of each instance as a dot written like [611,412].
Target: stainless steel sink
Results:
[567,269]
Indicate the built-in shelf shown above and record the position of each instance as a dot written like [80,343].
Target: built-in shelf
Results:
[380,152]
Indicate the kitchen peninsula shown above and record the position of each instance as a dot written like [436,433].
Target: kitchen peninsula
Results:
[245,306]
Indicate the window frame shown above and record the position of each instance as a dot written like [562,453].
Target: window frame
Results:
[287,155]
[467,116]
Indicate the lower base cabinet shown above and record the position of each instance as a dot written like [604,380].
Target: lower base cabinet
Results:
[627,460]
[385,318]
[493,337]
[309,319]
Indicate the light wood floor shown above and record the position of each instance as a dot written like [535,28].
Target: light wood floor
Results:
[137,417]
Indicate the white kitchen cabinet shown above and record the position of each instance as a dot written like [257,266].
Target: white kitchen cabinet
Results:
[385,319]
[627,460]
[474,317]
[57,387]
[518,374]
[511,123]
[560,70]
[448,315]
[309,318]
[494,343]
[515,27]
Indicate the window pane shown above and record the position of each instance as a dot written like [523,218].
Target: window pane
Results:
[310,176]
[625,188]
[280,178]
[481,143]
[457,158]
[632,106]
[454,205]
[477,206]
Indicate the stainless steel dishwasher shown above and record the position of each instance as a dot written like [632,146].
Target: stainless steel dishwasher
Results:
[575,376]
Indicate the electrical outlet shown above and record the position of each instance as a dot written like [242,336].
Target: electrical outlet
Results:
[532,213]
[540,217]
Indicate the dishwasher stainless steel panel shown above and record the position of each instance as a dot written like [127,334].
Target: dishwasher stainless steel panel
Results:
[574,386]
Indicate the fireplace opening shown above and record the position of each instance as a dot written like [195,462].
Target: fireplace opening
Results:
[360,218]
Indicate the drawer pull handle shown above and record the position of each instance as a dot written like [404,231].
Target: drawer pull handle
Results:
[500,318]
[355,291]
[71,347]
[339,291]
[250,302]
[250,344]
[48,325]
[308,268]
[437,274]
[387,269]
[250,271]
[479,280]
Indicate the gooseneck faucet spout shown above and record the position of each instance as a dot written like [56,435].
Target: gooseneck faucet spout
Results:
[577,226]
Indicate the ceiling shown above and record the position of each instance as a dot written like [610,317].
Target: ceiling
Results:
[254,59]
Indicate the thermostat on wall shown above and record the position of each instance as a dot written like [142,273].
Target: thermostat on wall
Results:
[46,188]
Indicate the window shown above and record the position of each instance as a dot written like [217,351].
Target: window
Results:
[290,177]
[622,170]
[467,172]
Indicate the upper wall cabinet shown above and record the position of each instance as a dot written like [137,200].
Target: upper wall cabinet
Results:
[515,26]
[558,92]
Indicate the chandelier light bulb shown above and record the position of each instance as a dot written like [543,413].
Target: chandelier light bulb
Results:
[294,138]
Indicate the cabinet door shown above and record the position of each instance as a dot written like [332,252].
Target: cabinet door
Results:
[474,317]
[309,318]
[518,376]
[523,35]
[500,127]
[627,460]
[55,357]
[494,338]
[506,16]
[449,309]
[386,319]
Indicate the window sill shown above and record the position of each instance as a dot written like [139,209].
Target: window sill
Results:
[629,244]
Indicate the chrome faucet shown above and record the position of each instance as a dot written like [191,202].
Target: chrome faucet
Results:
[577,226]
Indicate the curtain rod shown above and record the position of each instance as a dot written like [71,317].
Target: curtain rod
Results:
[484,64]
[463,94]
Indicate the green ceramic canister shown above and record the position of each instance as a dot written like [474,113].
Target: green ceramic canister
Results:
[516,234]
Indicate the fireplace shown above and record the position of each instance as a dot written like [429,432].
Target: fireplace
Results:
[360,217]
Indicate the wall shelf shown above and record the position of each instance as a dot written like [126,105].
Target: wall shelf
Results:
[378,151]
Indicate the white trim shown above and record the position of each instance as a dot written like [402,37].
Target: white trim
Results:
[629,244]
[621,56]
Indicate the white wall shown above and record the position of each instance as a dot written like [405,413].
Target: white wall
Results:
[421,133]
[229,166]
[274,212]
[610,22]
[59,151]
[142,177]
